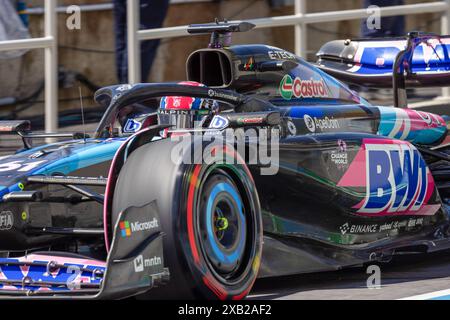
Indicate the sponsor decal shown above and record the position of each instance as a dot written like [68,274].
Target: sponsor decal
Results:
[6,220]
[280,55]
[302,88]
[36,154]
[379,62]
[286,87]
[358,228]
[426,117]
[255,120]
[395,177]
[340,157]
[344,228]
[216,94]
[415,222]
[140,263]
[342,145]
[250,64]
[389,226]
[292,129]
[179,103]
[142,226]
[19,166]
[313,123]
[218,122]
[132,126]
[124,87]
[178,112]
[348,228]
[125,228]
[128,228]
[309,122]
[411,125]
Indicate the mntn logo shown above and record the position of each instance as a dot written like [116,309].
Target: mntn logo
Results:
[125,228]
[397,179]
[138,263]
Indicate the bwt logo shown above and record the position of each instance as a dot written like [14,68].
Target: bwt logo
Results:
[397,179]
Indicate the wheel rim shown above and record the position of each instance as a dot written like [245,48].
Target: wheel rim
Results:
[224,229]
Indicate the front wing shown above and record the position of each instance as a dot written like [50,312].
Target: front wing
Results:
[134,265]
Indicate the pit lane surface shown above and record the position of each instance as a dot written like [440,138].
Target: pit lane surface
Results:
[403,277]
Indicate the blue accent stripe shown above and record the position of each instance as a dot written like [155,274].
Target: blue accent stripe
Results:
[446,297]
[83,157]
[232,257]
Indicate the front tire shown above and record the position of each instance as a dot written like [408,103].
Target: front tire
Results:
[210,215]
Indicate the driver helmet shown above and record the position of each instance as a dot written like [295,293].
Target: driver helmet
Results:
[185,112]
[134,118]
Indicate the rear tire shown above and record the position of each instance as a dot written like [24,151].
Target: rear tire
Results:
[210,215]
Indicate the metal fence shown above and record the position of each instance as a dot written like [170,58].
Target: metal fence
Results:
[300,20]
[49,44]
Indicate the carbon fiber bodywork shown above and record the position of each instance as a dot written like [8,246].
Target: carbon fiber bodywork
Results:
[353,183]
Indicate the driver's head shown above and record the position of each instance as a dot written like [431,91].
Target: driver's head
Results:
[134,118]
[183,103]
[183,112]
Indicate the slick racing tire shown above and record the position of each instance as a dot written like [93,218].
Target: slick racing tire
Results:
[210,215]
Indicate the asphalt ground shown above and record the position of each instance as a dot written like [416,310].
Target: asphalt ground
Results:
[403,277]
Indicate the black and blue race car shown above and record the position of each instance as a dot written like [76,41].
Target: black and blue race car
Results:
[259,165]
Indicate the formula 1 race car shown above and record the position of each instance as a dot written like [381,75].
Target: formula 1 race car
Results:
[259,165]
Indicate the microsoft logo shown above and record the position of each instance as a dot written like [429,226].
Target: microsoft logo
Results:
[125,228]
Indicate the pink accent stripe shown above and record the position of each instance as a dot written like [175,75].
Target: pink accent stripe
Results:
[63,260]
[426,210]
[109,184]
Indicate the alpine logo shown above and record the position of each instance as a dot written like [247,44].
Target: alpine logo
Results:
[302,88]
[396,179]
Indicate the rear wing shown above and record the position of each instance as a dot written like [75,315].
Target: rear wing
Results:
[420,60]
